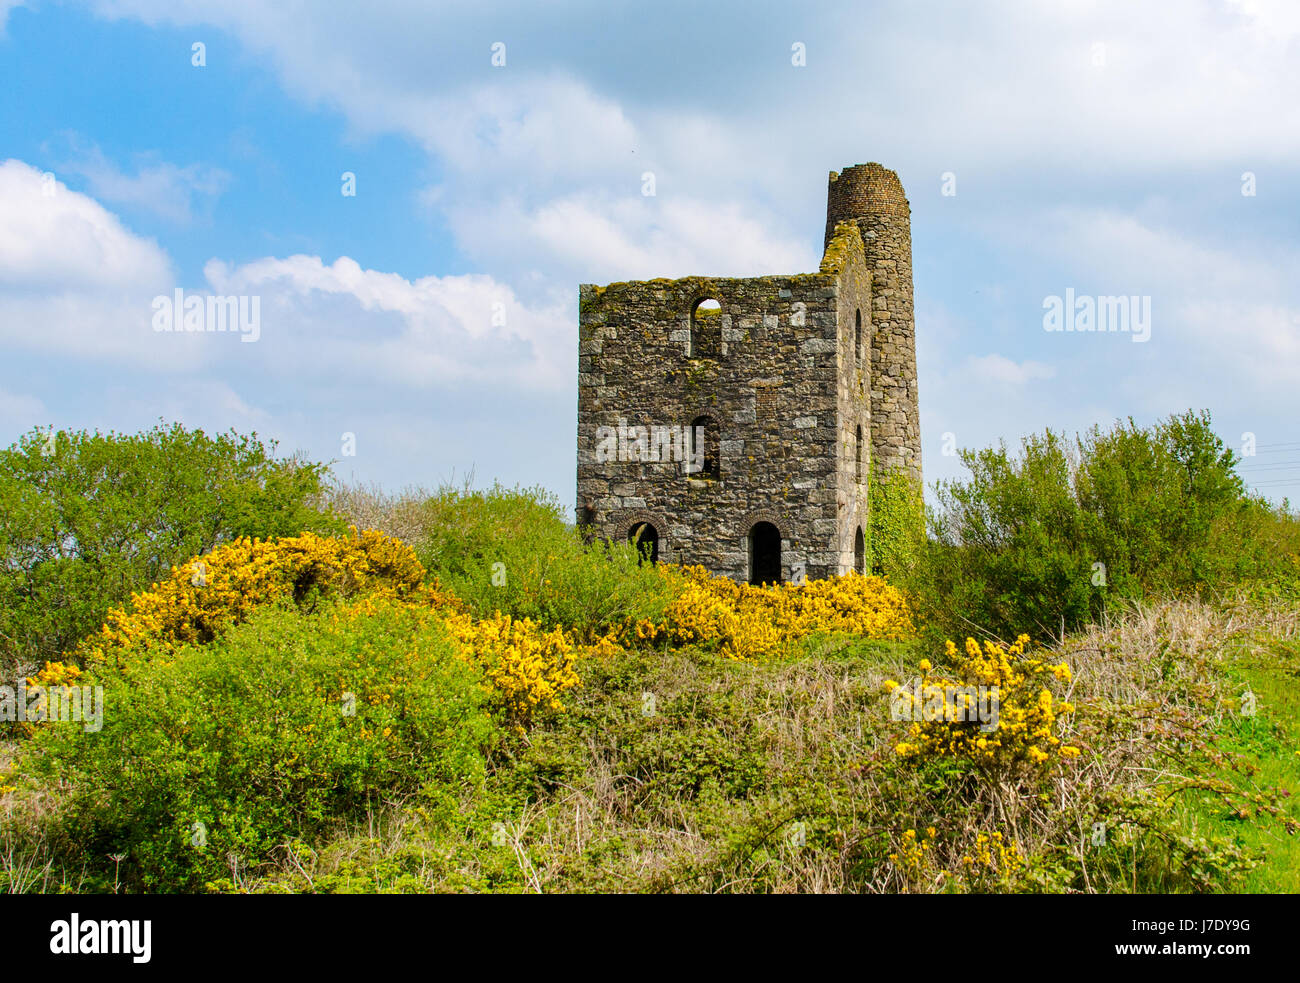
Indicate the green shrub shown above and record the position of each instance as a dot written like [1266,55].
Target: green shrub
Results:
[86,519]
[285,728]
[1007,553]
[510,550]
[1150,500]
[1050,537]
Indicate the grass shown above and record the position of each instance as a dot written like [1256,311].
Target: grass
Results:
[671,771]
[680,770]
[1267,743]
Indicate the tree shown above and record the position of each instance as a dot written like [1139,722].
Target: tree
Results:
[88,518]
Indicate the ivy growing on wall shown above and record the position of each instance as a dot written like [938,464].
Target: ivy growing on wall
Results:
[897,531]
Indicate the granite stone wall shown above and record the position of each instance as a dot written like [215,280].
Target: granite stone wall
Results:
[780,377]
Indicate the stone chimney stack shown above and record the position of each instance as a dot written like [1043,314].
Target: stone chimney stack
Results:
[872,197]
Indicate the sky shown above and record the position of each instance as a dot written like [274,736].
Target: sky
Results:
[413,191]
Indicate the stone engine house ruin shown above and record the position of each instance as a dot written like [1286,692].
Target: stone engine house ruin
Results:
[734,422]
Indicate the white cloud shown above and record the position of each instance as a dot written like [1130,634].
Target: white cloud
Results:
[534,144]
[1250,343]
[552,129]
[50,235]
[74,281]
[199,402]
[160,187]
[540,162]
[1175,79]
[1002,370]
[343,320]
[1135,255]
[5,7]
[600,238]
[1219,314]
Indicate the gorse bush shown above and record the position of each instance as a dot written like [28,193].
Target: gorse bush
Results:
[88,518]
[1024,733]
[509,553]
[1087,738]
[528,666]
[746,622]
[202,599]
[523,666]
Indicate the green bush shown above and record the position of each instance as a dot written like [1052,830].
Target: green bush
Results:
[1151,500]
[1050,537]
[287,727]
[86,519]
[510,550]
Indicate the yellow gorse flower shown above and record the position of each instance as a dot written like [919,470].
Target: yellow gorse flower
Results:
[205,597]
[748,622]
[526,666]
[1028,715]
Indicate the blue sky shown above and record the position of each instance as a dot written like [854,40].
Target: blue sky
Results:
[1097,146]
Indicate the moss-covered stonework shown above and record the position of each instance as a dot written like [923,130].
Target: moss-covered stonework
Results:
[784,377]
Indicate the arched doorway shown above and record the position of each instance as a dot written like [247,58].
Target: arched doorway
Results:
[645,538]
[764,554]
[860,552]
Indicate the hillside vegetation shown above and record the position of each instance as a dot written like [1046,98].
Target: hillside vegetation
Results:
[312,688]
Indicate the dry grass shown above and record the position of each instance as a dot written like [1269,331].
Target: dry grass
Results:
[29,859]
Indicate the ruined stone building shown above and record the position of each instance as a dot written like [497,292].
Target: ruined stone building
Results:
[734,422]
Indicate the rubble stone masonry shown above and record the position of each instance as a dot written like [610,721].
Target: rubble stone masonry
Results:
[773,379]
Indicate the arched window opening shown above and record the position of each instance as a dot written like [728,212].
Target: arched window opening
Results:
[706,328]
[859,552]
[702,443]
[857,456]
[857,336]
[645,537]
[764,554]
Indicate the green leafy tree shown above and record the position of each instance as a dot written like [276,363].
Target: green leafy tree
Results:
[88,518]
[1047,538]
